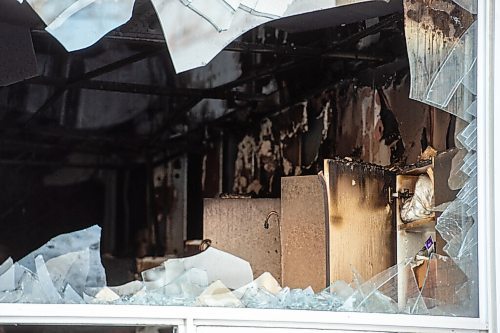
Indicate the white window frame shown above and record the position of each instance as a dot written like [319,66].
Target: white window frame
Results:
[207,320]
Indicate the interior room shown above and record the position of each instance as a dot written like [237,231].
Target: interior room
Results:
[331,150]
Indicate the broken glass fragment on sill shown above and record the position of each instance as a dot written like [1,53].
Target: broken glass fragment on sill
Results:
[7,276]
[78,24]
[265,281]
[218,265]
[182,291]
[72,242]
[70,296]
[217,294]
[415,286]
[378,294]
[47,286]
[71,268]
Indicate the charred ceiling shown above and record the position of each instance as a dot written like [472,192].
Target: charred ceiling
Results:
[120,100]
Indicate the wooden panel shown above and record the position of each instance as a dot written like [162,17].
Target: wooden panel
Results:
[423,225]
[303,232]
[362,231]
[237,226]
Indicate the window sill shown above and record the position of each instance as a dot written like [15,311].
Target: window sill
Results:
[190,319]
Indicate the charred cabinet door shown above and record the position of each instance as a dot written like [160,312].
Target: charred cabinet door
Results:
[361,233]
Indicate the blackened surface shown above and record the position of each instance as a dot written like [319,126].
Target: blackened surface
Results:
[391,133]
[195,202]
[17,57]
[32,213]
[361,218]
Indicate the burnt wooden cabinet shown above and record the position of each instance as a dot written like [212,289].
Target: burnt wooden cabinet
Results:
[325,227]
[361,230]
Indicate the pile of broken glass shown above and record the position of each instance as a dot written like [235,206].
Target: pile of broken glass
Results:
[68,270]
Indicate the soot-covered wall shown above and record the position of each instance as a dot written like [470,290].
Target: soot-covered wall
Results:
[378,125]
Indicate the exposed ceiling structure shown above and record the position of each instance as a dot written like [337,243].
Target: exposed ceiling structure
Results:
[122,100]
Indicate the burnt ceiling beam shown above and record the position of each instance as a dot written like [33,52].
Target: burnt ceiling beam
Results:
[65,164]
[299,51]
[170,120]
[155,39]
[190,103]
[376,28]
[74,137]
[59,148]
[133,88]
[92,74]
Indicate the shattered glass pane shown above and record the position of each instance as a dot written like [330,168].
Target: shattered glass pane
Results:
[451,291]
[469,5]
[73,242]
[78,24]
[457,65]
[468,137]
[219,13]
[260,299]
[7,276]
[470,79]
[457,177]
[70,270]
[378,294]
[70,296]
[270,9]
[45,281]
[446,282]
[183,291]
[217,294]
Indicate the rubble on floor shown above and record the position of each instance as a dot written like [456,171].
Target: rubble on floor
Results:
[68,270]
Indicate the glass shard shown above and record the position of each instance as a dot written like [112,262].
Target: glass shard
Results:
[469,5]
[7,276]
[217,294]
[46,284]
[219,13]
[457,65]
[73,242]
[78,24]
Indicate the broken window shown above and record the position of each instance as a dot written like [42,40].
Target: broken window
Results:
[348,151]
